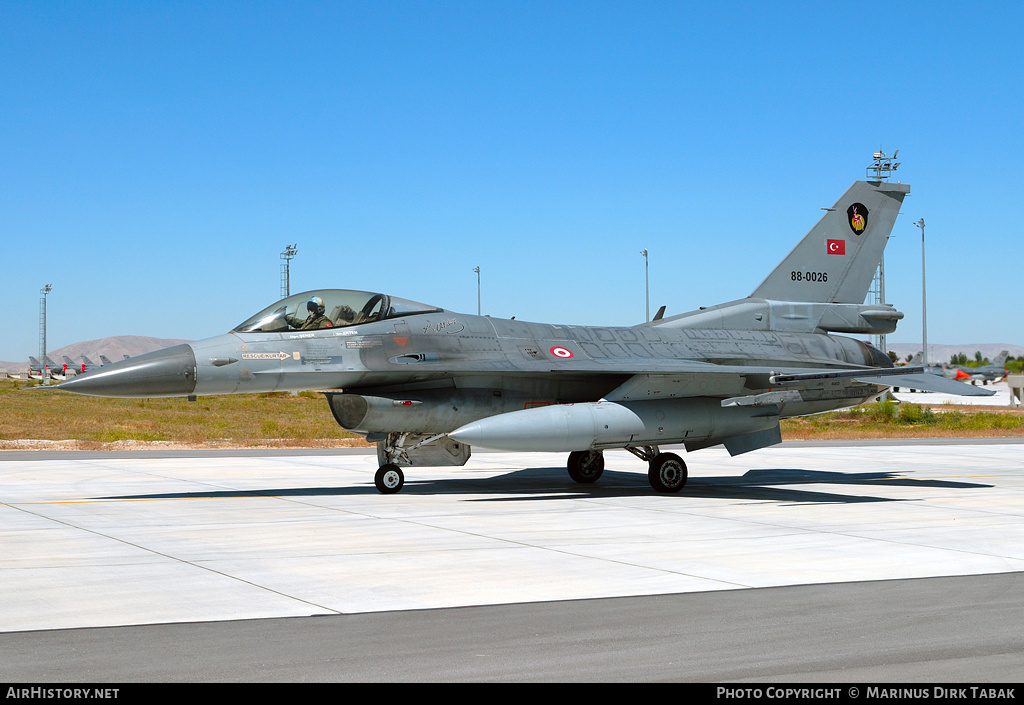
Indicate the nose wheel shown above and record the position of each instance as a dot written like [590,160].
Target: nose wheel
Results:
[389,479]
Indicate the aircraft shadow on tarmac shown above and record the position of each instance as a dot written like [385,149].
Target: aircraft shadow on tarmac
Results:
[775,484]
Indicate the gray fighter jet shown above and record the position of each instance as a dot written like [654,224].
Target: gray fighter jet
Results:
[940,370]
[37,369]
[426,383]
[986,373]
[85,366]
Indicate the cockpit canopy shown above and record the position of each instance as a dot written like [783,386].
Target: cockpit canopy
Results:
[330,308]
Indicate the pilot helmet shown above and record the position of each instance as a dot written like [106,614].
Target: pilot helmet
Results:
[316,305]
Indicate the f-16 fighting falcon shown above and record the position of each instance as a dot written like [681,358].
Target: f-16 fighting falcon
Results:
[426,384]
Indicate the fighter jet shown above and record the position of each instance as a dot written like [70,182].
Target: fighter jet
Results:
[71,368]
[35,368]
[983,373]
[58,371]
[940,370]
[82,368]
[52,369]
[426,383]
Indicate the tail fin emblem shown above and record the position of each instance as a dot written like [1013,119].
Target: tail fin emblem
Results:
[857,215]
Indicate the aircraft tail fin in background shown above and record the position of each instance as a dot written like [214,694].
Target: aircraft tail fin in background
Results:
[836,261]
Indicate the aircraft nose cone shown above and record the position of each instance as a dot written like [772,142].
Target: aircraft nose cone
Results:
[165,373]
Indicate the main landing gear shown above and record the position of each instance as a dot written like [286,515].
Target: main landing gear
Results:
[666,471]
[585,466]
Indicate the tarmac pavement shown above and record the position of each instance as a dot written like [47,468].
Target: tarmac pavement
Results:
[90,539]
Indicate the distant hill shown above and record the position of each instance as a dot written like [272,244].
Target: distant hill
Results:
[115,348]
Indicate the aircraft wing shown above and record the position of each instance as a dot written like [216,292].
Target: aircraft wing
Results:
[930,383]
[668,379]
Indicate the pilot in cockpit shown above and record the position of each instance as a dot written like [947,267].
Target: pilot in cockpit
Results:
[316,318]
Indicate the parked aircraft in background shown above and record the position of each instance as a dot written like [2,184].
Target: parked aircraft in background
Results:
[56,371]
[984,373]
[940,370]
[36,369]
[71,367]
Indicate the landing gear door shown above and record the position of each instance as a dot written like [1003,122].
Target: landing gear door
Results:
[443,451]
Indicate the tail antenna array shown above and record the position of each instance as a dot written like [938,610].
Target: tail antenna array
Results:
[883,166]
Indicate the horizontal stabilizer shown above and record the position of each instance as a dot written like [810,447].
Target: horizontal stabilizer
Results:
[928,383]
[909,377]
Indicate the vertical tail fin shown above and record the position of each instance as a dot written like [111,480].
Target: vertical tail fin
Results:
[837,259]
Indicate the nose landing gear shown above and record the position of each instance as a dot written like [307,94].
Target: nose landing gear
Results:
[389,479]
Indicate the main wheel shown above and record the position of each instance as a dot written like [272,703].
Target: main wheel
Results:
[667,473]
[389,479]
[585,465]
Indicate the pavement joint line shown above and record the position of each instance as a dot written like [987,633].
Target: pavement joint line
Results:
[179,560]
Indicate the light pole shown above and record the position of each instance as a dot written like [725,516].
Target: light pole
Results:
[477,270]
[880,170]
[647,283]
[286,279]
[924,301]
[42,332]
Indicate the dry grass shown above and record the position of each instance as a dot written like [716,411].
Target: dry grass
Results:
[48,419]
[241,420]
[890,420]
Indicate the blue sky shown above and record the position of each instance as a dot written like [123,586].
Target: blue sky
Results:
[157,157]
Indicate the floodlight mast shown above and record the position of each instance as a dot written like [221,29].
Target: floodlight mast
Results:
[286,285]
[881,169]
[647,284]
[42,332]
[924,302]
[883,166]
[477,270]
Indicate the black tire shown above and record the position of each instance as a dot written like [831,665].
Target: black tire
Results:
[389,479]
[585,466]
[667,473]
